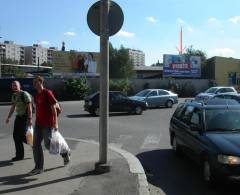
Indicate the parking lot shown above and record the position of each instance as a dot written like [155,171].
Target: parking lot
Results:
[147,137]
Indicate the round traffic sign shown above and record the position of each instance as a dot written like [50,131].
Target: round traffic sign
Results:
[115,18]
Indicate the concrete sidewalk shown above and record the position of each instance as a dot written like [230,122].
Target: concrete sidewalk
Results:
[126,177]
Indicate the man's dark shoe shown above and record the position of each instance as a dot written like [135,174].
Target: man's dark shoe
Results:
[16,159]
[35,172]
[66,158]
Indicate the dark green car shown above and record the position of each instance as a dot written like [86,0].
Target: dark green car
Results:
[118,102]
[209,134]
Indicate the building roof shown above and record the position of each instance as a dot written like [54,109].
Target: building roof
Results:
[148,68]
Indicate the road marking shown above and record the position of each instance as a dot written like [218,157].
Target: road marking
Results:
[121,140]
[151,141]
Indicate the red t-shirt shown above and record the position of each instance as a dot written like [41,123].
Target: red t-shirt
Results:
[44,101]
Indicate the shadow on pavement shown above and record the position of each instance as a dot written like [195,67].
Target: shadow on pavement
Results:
[51,169]
[6,163]
[179,175]
[15,180]
[79,115]
[11,180]
[89,115]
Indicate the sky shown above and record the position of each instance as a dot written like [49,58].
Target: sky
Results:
[152,26]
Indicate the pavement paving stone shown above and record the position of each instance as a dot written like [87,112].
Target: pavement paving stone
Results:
[79,177]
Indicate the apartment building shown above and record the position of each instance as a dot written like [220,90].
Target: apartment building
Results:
[10,50]
[137,56]
[50,54]
[36,54]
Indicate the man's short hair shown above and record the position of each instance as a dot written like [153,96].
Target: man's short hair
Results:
[18,83]
[39,78]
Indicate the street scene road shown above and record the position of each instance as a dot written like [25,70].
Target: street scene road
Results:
[146,136]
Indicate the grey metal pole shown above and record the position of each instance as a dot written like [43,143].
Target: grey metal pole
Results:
[0,60]
[102,165]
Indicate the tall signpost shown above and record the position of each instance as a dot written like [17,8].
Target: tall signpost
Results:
[0,60]
[105,18]
[104,97]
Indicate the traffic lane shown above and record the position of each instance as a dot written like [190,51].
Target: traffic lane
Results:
[179,175]
[134,133]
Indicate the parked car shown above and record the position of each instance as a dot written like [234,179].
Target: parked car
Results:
[221,99]
[118,102]
[209,134]
[213,91]
[157,97]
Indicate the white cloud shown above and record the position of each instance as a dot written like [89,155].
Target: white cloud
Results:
[180,21]
[235,19]
[225,52]
[190,29]
[70,33]
[151,19]
[122,33]
[44,42]
[212,19]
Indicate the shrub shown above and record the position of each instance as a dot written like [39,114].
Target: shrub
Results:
[77,88]
[124,86]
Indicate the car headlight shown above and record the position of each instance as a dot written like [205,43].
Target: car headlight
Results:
[230,160]
[146,104]
[90,103]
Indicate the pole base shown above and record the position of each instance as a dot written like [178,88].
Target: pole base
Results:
[102,167]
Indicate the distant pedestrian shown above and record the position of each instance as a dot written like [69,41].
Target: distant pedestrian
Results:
[46,122]
[22,103]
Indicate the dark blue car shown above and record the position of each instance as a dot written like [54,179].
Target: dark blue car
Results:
[209,134]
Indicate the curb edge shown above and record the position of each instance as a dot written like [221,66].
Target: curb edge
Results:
[134,164]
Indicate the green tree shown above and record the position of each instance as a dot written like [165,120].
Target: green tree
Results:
[16,71]
[196,52]
[8,61]
[157,64]
[12,70]
[120,64]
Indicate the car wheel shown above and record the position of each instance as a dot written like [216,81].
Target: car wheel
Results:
[92,113]
[169,104]
[96,111]
[208,175]
[138,110]
[175,145]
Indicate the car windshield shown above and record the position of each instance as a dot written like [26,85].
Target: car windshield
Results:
[222,119]
[142,93]
[211,90]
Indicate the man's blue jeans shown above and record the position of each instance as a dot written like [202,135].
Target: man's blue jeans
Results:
[40,133]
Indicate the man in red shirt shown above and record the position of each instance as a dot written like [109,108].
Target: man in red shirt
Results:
[46,121]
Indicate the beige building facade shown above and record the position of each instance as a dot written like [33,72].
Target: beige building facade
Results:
[225,71]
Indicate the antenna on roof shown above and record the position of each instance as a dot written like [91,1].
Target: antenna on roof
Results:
[180,49]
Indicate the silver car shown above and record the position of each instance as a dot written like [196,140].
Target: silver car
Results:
[211,92]
[157,97]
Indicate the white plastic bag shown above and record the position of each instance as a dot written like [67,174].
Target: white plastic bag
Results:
[58,145]
[29,136]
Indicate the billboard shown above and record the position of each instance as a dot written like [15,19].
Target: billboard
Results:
[181,66]
[75,62]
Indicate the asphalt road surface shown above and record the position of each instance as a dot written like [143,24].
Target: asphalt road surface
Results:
[147,137]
